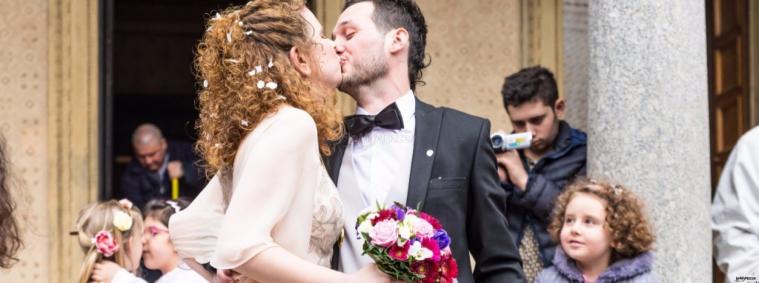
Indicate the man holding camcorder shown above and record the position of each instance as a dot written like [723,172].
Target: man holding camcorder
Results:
[535,162]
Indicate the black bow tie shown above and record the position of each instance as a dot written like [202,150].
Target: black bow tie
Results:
[388,118]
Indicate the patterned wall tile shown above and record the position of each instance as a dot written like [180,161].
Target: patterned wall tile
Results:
[23,122]
[473,45]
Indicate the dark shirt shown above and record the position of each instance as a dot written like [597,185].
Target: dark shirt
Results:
[140,185]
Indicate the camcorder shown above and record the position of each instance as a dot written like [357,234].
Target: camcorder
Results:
[502,142]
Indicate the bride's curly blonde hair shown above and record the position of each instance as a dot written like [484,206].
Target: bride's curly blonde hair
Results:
[243,52]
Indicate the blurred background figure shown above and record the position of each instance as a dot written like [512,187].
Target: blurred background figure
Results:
[735,211]
[160,168]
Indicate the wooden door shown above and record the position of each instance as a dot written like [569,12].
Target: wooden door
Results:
[727,45]
[727,33]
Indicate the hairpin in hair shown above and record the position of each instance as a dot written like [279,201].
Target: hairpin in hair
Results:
[257,70]
[174,205]
[616,189]
[122,221]
[126,203]
[105,243]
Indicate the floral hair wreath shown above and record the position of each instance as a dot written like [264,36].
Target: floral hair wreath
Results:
[104,241]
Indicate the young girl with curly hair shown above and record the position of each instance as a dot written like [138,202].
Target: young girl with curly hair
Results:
[271,212]
[603,234]
[110,235]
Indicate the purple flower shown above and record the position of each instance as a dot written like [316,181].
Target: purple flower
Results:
[400,214]
[442,238]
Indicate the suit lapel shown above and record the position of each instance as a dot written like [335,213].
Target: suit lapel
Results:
[428,121]
[335,160]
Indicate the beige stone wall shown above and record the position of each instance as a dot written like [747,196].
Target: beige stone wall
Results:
[474,45]
[23,121]
[49,116]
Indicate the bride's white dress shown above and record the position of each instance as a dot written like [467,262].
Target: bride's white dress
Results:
[279,194]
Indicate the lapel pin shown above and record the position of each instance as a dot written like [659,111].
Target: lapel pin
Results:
[430,153]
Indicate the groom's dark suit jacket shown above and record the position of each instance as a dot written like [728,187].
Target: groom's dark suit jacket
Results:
[459,185]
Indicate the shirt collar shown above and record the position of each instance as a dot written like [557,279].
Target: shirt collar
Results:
[406,104]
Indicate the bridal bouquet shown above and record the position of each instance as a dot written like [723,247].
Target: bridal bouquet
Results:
[406,244]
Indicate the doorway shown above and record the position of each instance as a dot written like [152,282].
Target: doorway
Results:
[148,53]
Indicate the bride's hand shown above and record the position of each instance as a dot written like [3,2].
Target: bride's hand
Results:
[371,273]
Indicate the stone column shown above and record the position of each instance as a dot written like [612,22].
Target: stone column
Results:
[648,121]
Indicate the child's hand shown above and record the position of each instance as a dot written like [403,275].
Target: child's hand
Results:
[105,271]
[224,276]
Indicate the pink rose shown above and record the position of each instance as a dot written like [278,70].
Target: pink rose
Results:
[384,233]
[105,243]
[424,229]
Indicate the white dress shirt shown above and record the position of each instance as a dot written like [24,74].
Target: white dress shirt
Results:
[375,169]
[382,158]
[735,211]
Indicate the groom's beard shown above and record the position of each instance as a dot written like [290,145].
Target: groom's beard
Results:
[364,73]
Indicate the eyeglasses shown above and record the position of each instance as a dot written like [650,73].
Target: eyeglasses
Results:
[154,230]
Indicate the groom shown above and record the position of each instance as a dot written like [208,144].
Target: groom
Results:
[399,148]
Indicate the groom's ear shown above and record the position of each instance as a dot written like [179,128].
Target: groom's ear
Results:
[299,61]
[400,40]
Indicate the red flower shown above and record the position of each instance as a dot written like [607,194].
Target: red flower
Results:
[384,215]
[399,253]
[432,220]
[448,269]
[427,268]
[432,245]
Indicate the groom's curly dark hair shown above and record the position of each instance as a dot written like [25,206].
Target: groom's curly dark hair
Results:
[390,14]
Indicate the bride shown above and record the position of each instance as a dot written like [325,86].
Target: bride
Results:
[271,212]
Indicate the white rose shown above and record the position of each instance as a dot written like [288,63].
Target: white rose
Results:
[404,233]
[410,220]
[122,221]
[365,227]
[418,252]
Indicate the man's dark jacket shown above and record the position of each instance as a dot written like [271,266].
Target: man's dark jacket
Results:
[458,184]
[533,206]
[140,185]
